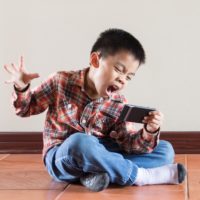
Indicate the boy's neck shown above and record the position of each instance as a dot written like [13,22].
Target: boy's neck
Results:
[89,86]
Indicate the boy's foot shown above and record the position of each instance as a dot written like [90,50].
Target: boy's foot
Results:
[181,172]
[95,182]
[167,174]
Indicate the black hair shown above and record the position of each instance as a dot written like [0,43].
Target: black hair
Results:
[114,40]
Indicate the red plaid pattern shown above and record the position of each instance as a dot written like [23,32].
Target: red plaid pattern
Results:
[71,110]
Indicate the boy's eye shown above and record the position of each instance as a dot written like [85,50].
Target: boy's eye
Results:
[118,69]
[128,78]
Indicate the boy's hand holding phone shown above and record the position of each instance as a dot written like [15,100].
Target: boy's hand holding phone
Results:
[19,75]
[150,117]
[153,121]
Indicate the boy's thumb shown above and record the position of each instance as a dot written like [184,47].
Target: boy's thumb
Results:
[35,75]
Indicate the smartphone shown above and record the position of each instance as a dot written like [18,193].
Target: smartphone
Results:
[134,113]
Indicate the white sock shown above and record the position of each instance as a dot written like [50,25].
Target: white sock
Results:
[158,175]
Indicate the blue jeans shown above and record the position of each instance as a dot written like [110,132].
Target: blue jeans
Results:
[81,153]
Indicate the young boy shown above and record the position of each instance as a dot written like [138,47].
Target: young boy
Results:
[83,138]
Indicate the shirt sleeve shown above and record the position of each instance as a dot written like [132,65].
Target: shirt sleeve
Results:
[132,141]
[36,100]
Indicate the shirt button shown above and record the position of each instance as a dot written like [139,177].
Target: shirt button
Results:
[83,121]
[69,106]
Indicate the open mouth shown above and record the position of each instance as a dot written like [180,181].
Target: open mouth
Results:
[111,88]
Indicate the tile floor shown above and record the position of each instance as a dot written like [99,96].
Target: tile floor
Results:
[22,178]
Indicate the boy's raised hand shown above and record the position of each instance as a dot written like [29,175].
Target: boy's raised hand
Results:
[154,120]
[19,75]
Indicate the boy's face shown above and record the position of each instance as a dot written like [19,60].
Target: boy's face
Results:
[111,74]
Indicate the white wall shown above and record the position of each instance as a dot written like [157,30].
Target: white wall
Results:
[58,34]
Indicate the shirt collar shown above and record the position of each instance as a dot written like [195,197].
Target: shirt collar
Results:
[77,78]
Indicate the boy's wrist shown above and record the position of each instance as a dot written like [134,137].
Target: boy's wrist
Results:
[23,89]
[152,132]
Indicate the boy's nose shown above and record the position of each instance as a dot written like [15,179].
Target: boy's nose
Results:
[121,80]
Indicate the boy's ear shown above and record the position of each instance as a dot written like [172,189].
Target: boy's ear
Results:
[94,59]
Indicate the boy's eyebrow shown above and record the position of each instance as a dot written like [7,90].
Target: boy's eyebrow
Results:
[118,63]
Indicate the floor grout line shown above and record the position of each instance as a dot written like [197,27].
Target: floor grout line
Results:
[60,194]
[4,156]
[186,181]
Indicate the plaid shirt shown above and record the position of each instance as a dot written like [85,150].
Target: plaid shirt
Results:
[71,110]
